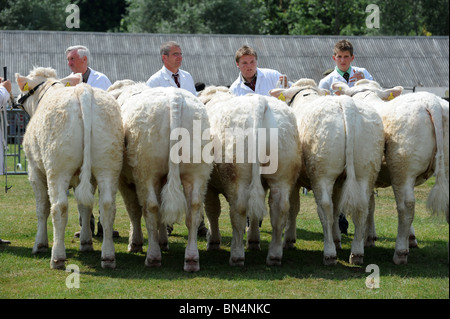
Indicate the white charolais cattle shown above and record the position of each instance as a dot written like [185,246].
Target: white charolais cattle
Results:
[417,139]
[158,167]
[74,135]
[342,149]
[257,143]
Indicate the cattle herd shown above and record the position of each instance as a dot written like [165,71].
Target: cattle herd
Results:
[170,154]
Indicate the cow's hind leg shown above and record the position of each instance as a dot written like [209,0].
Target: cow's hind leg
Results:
[290,235]
[150,212]
[59,210]
[404,195]
[85,232]
[39,184]
[322,194]
[107,190]
[194,196]
[279,210]
[134,210]
[212,208]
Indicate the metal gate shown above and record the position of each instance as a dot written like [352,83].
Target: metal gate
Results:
[13,122]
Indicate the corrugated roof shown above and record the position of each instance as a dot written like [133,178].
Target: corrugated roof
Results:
[405,61]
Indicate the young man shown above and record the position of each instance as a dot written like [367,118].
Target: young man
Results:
[78,61]
[344,71]
[171,74]
[252,79]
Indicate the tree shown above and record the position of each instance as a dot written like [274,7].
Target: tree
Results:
[33,15]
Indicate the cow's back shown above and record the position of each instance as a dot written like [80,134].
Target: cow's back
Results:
[54,135]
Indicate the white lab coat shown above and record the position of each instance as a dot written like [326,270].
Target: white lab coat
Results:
[334,76]
[163,78]
[98,80]
[266,80]
[4,97]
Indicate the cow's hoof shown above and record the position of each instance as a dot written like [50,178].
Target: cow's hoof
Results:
[40,248]
[337,244]
[58,264]
[273,261]
[356,259]
[135,248]
[289,244]
[329,260]
[213,245]
[86,246]
[253,245]
[413,242]
[153,262]
[164,246]
[370,241]
[109,263]
[191,264]
[401,257]
[237,261]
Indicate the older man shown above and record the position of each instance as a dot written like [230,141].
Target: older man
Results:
[78,61]
[171,74]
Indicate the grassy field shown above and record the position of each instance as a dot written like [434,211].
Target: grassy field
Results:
[301,276]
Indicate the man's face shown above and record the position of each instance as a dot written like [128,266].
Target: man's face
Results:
[247,65]
[173,61]
[343,60]
[75,63]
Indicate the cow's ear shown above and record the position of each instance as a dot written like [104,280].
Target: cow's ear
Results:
[278,93]
[23,83]
[390,94]
[72,79]
[339,87]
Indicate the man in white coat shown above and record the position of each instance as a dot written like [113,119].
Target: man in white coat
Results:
[252,79]
[5,93]
[78,57]
[171,74]
[78,61]
[344,71]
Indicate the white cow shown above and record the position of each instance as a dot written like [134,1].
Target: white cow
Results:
[154,173]
[417,145]
[342,147]
[242,126]
[74,134]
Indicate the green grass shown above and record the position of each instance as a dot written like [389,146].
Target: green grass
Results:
[302,274]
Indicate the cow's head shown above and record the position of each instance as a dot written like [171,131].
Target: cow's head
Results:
[301,85]
[36,80]
[368,85]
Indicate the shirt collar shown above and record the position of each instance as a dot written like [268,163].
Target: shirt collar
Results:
[349,71]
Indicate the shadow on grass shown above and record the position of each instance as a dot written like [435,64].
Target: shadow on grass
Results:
[296,263]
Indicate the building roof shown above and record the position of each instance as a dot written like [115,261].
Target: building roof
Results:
[405,61]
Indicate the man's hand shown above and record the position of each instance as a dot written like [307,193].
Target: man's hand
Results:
[6,84]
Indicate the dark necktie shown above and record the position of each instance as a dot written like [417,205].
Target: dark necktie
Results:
[346,76]
[175,77]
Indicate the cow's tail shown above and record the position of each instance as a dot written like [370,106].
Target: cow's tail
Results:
[256,207]
[352,197]
[84,192]
[173,201]
[438,199]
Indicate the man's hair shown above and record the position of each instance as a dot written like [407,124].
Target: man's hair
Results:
[81,50]
[165,47]
[245,50]
[343,45]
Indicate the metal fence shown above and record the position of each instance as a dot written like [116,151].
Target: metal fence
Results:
[13,129]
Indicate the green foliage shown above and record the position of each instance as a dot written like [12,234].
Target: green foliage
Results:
[295,17]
